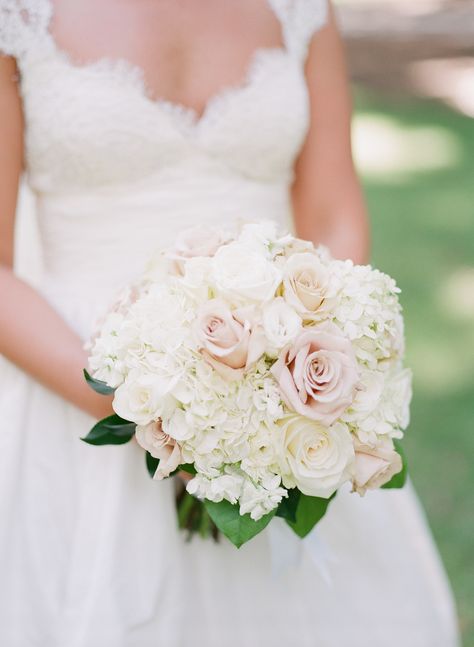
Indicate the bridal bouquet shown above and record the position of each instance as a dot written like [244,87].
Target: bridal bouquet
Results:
[267,370]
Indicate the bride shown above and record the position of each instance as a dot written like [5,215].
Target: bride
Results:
[133,120]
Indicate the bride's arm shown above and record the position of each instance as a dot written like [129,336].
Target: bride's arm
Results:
[32,334]
[329,207]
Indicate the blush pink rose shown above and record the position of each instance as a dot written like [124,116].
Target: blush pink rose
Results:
[197,241]
[317,374]
[226,338]
[160,445]
[375,466]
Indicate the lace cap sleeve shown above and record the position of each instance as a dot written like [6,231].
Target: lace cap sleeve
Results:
[300,19]
[22,22]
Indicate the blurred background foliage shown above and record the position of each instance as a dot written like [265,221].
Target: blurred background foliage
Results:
[412,65]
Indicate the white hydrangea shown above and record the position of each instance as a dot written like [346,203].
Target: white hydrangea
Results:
[107,351]
[258,499]
[227,485]
[368,312]
[262,456]
[381,405]
[265,238]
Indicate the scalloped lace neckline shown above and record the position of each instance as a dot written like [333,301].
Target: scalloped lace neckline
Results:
[134,76]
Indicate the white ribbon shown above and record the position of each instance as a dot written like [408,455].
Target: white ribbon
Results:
[287,550]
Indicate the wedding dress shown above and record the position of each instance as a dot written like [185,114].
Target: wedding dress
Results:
[89,551]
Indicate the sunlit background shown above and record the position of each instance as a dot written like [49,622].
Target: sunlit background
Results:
[412,64]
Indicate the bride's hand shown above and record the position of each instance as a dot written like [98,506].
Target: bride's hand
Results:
[98,406]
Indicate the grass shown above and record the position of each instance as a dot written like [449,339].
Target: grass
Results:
[423,234]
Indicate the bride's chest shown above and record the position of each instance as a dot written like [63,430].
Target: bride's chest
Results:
[95,125]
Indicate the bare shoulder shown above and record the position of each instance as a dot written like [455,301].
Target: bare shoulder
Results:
[328,201]
[326,57]
[328,148]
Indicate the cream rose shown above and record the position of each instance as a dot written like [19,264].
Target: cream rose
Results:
[317,375]
[315,458]
[160,445]
[375,466]
[226,339]
[309,287]
[242,274]
[143,397]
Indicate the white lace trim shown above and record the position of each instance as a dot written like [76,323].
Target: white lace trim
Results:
[133,76]
[109,129]
[22,24]
[300,20]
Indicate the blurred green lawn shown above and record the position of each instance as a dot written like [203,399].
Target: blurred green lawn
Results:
[423,234]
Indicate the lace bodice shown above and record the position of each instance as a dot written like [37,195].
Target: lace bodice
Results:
[95,124]
[109,164]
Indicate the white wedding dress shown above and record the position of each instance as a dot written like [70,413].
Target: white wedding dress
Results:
[89,551]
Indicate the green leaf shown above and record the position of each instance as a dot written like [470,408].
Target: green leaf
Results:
[398,480]
[186,467]
[99,387]
[309,511]
[111,431]
[237,527]
[288,505]
[151,464]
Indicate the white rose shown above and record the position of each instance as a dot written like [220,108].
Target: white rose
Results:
[177,426]
[242,274]
[143,398]
[196,277]
[309,286]
[315,458]
[281,324]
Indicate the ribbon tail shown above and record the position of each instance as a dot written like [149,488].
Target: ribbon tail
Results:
[285,548]
[320,554]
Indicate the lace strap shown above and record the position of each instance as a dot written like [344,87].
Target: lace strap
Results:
[22,23]
[300,19]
